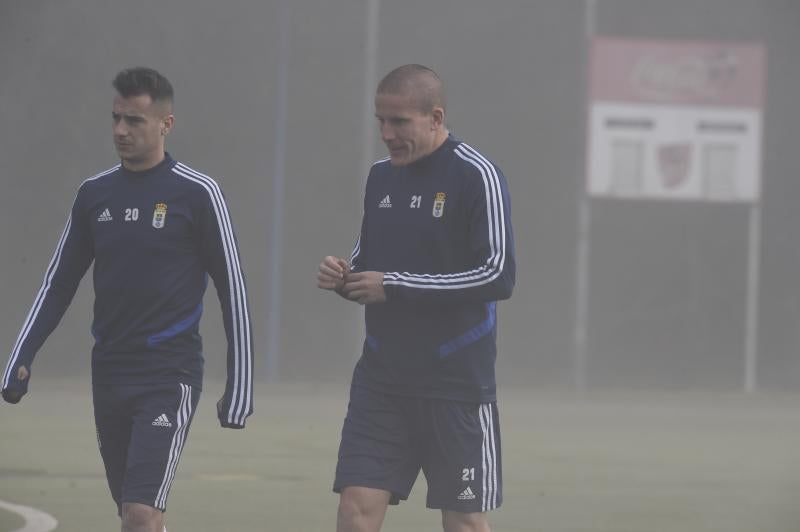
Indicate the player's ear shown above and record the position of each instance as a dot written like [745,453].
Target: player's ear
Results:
[438,118]
[166,124]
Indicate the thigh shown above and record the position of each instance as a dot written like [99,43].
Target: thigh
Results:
[112,420]
[160,423]
[377,450]
[462,461]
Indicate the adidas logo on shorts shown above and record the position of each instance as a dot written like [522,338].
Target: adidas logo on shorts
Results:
[466,495]
[161,421]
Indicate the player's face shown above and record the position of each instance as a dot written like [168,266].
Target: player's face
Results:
[408,132]
[140,128]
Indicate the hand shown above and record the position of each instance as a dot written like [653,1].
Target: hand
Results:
[364,287]
[13,394]
[332,272]
[222,415]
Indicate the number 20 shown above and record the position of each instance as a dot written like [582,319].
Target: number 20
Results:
[131,215]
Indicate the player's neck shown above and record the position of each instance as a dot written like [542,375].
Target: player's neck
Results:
[144,164]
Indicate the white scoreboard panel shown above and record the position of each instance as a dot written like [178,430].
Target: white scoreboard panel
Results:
[671,152]
[675,120]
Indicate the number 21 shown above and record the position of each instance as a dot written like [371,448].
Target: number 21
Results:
[468,473]
[416,201]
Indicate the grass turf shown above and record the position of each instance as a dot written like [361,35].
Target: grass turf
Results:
[621,462]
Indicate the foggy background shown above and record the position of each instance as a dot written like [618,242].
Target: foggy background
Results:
[667,302]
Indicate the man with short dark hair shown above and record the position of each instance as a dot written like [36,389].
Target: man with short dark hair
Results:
[435,254]
[155,229]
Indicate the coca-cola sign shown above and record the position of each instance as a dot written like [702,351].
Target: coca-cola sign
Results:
[695,73]
[688,77]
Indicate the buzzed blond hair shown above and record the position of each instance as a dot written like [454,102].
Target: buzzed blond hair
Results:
[424,85]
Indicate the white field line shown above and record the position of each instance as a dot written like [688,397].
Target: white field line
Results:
[35,520]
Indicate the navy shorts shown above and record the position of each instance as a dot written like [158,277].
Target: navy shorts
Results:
[387,439]
[141,431]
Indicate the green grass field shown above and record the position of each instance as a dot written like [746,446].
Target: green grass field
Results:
[621,462]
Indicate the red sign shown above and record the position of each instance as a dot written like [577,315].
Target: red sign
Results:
[674,162]
[694,73]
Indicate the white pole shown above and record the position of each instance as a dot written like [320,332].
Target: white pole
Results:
[368,128]
[753,267]
[275,259]
[580,357]
[582,297]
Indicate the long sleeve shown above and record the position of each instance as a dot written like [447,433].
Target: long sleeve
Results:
[359,253]
[490,269]
[221,258]
[73,255]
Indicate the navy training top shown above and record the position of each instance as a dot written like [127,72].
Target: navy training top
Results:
[440,230]
[153,236]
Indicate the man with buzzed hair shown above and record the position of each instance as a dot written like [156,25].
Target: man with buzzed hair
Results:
[424,83]
[155,229]
[435,254]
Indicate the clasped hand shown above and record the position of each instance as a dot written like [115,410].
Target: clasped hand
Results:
[362,287]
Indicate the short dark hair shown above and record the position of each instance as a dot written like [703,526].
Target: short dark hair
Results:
[425,84]
[136,81]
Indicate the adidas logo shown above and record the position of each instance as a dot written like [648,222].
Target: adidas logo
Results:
[386,203]
[466,495]
[161,421]
[105,217]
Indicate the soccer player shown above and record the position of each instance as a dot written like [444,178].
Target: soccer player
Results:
[435,254]
[155,229]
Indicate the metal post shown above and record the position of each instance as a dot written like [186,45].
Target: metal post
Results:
[753,267]
[275,259]
[580,357]
[368,128]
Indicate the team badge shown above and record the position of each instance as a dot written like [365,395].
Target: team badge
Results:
[438,205]
[159,215]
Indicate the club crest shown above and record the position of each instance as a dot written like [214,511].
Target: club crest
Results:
[159,215]
[438,205]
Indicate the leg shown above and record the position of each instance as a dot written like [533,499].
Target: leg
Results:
[113,424]
[361,509]
[461,522]
[463,464]
[141,518]
[378,461]
[161,421]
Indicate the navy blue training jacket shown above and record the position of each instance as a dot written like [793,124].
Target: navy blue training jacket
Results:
[440,230]
[153,236]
